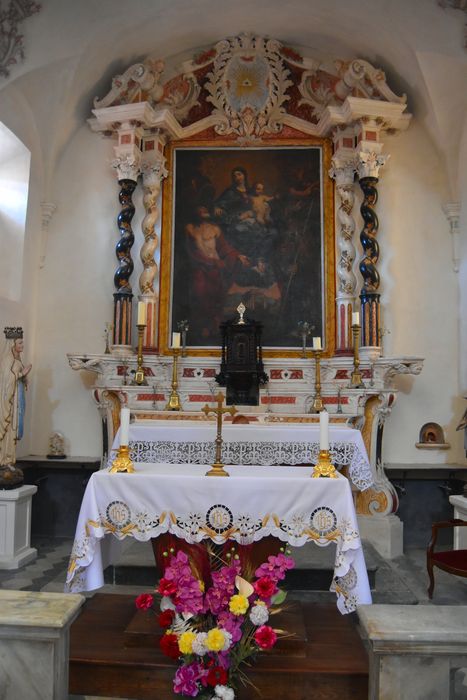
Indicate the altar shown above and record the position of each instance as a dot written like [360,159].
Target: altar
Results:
[254,503]
[186,442]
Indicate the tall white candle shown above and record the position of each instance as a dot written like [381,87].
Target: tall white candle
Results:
[124,426]
[355,318]
[176,340]
[324,430]
[141,314]
[317,343]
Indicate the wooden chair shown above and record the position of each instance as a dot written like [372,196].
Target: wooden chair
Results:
[454,561]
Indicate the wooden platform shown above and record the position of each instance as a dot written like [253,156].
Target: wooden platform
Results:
[330,662]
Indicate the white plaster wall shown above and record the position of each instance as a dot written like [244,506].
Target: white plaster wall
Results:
[419,296]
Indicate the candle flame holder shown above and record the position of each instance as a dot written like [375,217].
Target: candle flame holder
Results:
[324,466]
[317,405]
[122,462]
[139,378]
[174,403]
[356,379]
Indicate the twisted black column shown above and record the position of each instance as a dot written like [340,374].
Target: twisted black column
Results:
[124,295]
[369,296]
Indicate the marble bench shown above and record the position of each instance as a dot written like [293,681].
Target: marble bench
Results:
[416,652]
[34,644]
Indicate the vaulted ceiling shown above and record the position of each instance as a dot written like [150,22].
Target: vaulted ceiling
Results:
[73,50]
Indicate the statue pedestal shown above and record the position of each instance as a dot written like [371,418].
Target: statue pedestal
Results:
[15,527]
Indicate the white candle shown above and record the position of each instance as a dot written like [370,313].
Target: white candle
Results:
[176,340]
[324,430]
[141,314]
[355,318]
[124,426]
[317,343]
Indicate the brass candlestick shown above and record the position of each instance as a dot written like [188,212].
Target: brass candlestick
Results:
[122,462]
[174,404]
[317,405]
[139,378]
[218,466]
[356,379]
[324,467]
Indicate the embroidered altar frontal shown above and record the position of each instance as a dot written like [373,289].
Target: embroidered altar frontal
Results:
[255,502]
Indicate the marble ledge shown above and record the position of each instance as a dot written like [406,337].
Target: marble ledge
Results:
[29,609]
[415,625]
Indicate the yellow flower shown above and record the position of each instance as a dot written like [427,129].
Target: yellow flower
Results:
[238,604]
[185,642]
[215,640]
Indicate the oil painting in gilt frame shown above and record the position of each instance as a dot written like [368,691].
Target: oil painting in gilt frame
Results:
[252,225]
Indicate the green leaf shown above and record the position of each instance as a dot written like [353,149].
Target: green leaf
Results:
[279,597]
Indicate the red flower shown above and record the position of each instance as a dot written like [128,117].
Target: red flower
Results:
[144,601]
[217,676]
[265,637]
[166,618]
[265,587]
[169,645]
[166,587]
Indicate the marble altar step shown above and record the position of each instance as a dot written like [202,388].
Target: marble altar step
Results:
[331,665]
[313,571]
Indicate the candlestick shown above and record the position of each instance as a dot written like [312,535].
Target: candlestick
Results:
[324,466]
[356,379]
[141,314]
[174,404]
[324,430]
[140,379]
[122,462]
[317,405]
[176,341]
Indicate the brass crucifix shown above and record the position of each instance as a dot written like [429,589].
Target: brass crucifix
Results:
[218,466]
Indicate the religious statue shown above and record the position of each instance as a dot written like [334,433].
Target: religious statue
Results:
[13,382]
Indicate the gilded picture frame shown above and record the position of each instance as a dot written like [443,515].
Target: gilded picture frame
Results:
[252,225]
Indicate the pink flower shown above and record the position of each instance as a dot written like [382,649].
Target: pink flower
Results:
[265,637]
[186,679]
[144,601]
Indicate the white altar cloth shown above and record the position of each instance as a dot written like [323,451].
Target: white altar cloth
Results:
[253,503]
[267,445]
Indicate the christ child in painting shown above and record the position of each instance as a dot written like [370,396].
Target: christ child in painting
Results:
[260,204]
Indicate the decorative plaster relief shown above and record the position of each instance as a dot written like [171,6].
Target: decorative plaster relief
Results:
[11,43]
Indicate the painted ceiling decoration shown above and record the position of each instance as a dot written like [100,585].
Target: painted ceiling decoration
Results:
[251,88]
[11,42]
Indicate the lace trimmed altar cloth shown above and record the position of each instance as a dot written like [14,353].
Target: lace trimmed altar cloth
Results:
[255,502]
[266,445]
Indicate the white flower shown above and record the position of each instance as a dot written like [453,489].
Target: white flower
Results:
[259,614]
[166,604]
[199,646]
[228,640]
[224,692]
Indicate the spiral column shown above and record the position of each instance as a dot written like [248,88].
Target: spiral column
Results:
[154,171]
[127,166]
[343,172]
[369,164]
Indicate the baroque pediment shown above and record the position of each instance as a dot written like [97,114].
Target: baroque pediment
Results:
[251,87]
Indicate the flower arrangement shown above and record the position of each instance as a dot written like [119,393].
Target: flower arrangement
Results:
[216,617]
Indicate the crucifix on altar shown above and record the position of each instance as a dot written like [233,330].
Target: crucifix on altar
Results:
[218,466]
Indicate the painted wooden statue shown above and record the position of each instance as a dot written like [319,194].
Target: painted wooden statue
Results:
[13,382]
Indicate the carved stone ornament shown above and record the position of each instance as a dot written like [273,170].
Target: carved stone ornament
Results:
[247,86]
[138,82]
[11,42]
[369,163]
[127,167]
